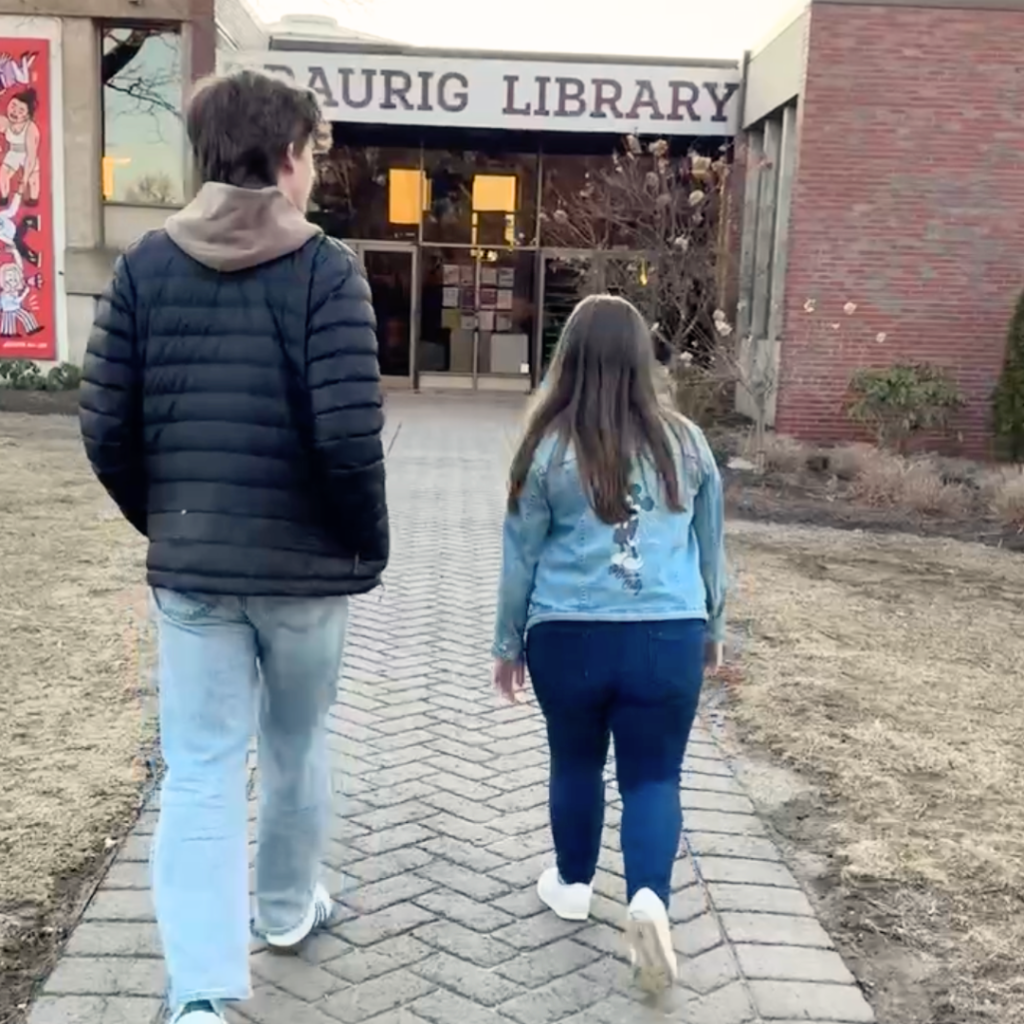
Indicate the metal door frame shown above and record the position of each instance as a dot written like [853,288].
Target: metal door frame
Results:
[363,246]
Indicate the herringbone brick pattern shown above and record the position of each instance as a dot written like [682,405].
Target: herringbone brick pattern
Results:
[441,825]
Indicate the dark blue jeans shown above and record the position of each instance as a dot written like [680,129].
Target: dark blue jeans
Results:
[638,682]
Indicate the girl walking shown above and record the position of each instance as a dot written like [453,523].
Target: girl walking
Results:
[612,594]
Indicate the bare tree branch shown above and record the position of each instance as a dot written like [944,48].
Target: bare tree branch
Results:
[157,93]
[655,223]
[653,218]
[124,51]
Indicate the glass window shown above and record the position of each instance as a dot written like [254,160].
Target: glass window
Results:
[143,134]
[578,202]
[611,199]
[369,192]
[480,198]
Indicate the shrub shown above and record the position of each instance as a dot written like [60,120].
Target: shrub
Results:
[916,485]
[65,377]
[780,454]
[899,401]
[698,391]
[1004,492]
[1008,399]
[24,375]
[848,462]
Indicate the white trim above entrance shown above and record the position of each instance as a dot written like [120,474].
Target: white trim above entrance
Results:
[523,95]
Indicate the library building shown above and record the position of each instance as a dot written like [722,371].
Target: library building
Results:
[871,206]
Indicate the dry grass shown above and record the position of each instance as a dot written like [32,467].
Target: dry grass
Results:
[72,714]
[920,484]
[849,461]
[1004,491]
[917,485]
[781,454]
[889,669]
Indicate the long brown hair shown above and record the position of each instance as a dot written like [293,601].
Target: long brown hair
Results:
[601,397]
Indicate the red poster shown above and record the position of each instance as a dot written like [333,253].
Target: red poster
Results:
[28,320]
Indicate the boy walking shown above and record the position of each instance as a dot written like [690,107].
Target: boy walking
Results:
[231,407]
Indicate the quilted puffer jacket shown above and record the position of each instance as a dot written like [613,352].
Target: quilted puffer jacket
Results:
[231,402]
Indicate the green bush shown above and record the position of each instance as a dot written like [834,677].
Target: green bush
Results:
[897,402]
[65,377]
[24,375]
[1008,400]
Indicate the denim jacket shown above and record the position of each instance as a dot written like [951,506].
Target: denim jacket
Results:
[561,562]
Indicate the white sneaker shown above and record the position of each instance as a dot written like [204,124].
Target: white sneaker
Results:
[650,940]
[201,1011]
[569,902]
[318,915]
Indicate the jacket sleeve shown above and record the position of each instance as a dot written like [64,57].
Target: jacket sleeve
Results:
[110,400]
[709,528]
[526,532]
[343,375]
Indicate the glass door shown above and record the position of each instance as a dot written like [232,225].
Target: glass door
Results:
[506,318]
[391,271]
[565,280]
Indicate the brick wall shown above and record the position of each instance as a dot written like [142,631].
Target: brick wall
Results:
[909,202]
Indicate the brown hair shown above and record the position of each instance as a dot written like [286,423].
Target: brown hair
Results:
[241,127]
[601,398]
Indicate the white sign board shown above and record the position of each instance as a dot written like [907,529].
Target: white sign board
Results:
[515,94]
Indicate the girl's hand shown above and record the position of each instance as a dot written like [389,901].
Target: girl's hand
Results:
[714,657]
[510,680]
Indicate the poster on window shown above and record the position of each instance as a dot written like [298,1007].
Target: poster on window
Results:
[28,327]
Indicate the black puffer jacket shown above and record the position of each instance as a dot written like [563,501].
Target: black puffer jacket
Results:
[231,403]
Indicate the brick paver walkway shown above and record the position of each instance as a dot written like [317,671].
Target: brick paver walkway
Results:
[441,826]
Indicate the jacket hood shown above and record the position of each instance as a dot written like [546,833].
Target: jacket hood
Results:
[228,228]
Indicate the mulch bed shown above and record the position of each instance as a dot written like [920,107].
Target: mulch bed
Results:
[39,403]
[807,502]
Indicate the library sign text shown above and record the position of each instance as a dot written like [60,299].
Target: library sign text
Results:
[510,94]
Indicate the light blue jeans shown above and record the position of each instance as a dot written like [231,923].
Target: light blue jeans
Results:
[229,667]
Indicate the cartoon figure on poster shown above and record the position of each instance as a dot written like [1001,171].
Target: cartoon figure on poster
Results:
[13,232]
[20,189]
[16,318]
[21,158]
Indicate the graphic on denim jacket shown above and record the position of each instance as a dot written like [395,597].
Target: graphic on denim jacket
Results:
[626,562]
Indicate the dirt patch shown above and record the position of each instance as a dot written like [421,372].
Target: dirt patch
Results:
[885,672]
[39,403]
[75,721]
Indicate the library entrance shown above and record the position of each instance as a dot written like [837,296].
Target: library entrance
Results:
[457,180]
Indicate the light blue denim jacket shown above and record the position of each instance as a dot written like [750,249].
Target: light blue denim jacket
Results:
[561,562]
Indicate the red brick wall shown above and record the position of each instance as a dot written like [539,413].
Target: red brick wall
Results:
[909,202]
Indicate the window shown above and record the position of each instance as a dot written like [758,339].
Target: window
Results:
[480,198]
[143,133]
[369,191]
